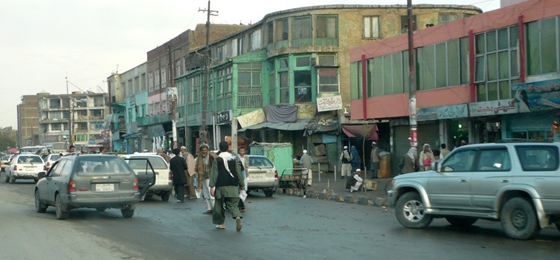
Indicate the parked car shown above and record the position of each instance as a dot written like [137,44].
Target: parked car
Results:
[24,166]
[50,159]
[261,174]
[91,181]
[163,183]
[6,161]
[514,183]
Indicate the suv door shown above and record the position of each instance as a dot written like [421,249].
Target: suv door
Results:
[491,174]
[450,189]
[146,178]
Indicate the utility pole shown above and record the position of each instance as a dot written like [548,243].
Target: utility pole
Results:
[412,79]
[202,134]
[71,115]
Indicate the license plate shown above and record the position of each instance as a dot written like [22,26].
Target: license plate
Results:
[256,176]
[105,187]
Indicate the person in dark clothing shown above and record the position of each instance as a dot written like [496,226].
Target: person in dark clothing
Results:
[178,166]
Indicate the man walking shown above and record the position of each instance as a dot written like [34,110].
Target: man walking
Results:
[178,166]
[203,163]
[225,179]
[444,151]
[191,172]
[345,159]
[375,160]
[306,162]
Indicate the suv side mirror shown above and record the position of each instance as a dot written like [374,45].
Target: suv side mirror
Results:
[41,175]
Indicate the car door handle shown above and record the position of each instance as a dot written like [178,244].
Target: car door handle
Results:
[504,181]
[463,180]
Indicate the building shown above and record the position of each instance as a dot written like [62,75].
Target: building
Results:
[128,101]
[479,79]
[287,77]
[77,118]
[28,120]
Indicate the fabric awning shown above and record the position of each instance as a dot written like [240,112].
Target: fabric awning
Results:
[369,132]
[293,126]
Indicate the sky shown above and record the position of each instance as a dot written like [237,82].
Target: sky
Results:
[45,44]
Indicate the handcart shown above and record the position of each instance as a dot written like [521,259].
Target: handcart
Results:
[294,178]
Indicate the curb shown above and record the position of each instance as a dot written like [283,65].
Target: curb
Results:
[330,195]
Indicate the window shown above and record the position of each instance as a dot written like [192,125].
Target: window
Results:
[371,27]
[249,85]
[56,127]
[542,46]
[496,64]
[157,79]
[442,64]
[220,54]
[328,80]
[163,77]
[301,31]
[447,17]
[282,30]
[272,84]
[326,27]
[234,49]
[494,160]
[178,71]
[404,23]
[150,81]
[255,41]
[459,162]
[302,85]
[284,78]
[269,33]
[538,158]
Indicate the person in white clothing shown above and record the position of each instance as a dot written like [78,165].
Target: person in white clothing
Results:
[356,181]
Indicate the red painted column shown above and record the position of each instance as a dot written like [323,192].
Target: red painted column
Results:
[522,72]
[364,86]
[472,60]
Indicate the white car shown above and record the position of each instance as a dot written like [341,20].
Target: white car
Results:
[164,182]
[25,166]
[6,161]
[50,159]
[262,174]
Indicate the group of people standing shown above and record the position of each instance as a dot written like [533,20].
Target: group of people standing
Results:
[413,162]
[220,179]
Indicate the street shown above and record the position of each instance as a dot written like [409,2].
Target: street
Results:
[281,227]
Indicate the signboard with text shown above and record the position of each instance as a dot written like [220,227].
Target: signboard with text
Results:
[490,108]
[329,103]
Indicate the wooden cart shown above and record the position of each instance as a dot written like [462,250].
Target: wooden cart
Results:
[294,178]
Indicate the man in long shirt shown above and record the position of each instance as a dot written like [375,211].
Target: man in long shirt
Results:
[178,166]
[191,172]
[306,162]
[225,179]
[203,163]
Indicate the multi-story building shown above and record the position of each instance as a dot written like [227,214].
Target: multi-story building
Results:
[142,117]
[287,77]
[483,78]
[126,91]
[77,118]
[28,120]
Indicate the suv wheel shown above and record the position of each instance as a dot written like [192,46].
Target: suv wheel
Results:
[519,219]
[39,207]
[410,211]
[268,193]
[60,213]
[164,197]
[127,213]
[461,221]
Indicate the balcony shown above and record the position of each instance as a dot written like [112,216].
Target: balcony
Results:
[153,120]
[249,100]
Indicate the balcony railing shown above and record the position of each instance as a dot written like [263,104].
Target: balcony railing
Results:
[249,100]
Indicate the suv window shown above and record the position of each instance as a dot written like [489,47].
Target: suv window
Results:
[157,163]
[494,160]
[460,161]
[102,165]
[55,172]
[537,158]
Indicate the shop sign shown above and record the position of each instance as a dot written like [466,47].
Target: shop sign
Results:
[428,113]
[252,118]
[329,103]
[223,117]
[537,96]
[490,108]
[452,112]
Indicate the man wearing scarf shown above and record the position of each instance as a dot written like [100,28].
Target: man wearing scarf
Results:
[203,164]
[409,162]
[225,179]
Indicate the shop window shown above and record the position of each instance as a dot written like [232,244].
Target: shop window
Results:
[542,46]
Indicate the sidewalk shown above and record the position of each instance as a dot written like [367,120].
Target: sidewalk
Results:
[326,187]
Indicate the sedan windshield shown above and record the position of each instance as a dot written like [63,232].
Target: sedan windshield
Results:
[29,159]
[260,162]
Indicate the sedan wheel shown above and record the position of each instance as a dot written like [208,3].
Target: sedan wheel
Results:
[39,206]
[60,213]
[519,219]
[127,213]
[410,211]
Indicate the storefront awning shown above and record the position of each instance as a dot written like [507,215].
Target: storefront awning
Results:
[294,126]
[367,131]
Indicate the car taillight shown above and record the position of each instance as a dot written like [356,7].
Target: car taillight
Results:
[15,167]
[170,176]
[135,187]
[276,174]
[72,185]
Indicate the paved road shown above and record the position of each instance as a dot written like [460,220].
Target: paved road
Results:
[281,227]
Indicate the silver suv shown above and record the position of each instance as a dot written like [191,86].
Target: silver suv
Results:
[261,174]
[514,183]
